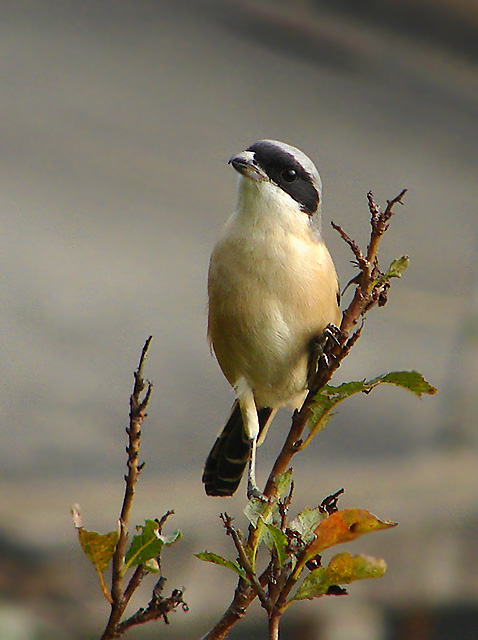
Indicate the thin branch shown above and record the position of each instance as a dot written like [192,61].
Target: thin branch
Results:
[380,221]
[158,607]
[133,584]
[329,503]
[352,244]
[244,561]
[243,596]
[284,506]
[136,417]
[162,520]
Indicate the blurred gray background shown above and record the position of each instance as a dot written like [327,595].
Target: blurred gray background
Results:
[116,123]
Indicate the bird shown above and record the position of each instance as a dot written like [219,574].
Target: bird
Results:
[272,292]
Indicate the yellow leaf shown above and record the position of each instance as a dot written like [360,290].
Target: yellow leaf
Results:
[99,548]
[345,568]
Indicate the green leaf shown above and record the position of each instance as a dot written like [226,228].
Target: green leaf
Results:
[267,511]
[306,523]
[99,548]
[262,513]
[209,556]
[280,541]
[411,380]
[314,585]
[171,538]
[343,569]
[395,270]
[259,513]
[398,266]
[329,396]
[255,509]
[152,566]
[147,544]
[284,483]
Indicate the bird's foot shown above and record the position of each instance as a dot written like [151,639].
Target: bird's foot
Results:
[253,491]
[332,332]
[318,353]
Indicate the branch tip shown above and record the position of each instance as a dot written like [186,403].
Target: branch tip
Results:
[163,519]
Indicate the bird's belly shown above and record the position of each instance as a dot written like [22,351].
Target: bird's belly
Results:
[265,340]
[268,306]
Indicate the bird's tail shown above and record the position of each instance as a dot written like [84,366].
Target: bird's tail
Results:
[227,461]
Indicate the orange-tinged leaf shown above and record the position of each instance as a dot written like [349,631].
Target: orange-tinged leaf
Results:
[344,526]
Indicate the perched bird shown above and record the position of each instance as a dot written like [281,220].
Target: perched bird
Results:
[272,290]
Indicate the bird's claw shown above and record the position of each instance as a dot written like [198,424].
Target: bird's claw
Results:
[332,332]
[253,491]
[318,353]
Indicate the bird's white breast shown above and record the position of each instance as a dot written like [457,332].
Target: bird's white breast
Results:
[272,286]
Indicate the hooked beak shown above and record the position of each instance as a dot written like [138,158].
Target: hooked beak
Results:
[245,164]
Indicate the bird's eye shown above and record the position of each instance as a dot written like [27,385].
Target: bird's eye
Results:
[289,175]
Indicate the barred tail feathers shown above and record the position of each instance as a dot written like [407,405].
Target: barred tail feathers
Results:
[228,459]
